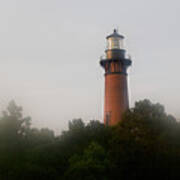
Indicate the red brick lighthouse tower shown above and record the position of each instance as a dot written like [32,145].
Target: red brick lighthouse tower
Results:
[116,89]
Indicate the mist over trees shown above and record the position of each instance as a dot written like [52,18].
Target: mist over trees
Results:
[144,145]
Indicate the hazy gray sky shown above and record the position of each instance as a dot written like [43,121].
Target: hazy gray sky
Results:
[50,49]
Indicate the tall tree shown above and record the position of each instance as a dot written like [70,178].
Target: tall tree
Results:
[13,126]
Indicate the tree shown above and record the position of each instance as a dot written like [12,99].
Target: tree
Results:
[142,142]
[13,126]
[144,145]
[91,165]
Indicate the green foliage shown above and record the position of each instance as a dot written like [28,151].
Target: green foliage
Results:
[144,145]
[91,164]
[12,123]
[76,125]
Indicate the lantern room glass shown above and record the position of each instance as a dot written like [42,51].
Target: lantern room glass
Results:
[115,43]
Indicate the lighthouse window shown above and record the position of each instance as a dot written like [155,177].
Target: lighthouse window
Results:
[115,43]
[108,116]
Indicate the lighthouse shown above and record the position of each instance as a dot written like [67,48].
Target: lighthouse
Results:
[115,64]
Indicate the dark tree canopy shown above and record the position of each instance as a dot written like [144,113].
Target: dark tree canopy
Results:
[144,145]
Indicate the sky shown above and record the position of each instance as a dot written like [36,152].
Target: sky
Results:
[50,52]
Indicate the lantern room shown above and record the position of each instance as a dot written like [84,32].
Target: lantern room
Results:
[115,41]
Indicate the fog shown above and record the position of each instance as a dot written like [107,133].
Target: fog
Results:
[50,50]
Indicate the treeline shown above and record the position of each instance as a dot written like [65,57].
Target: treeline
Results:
[144,145]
